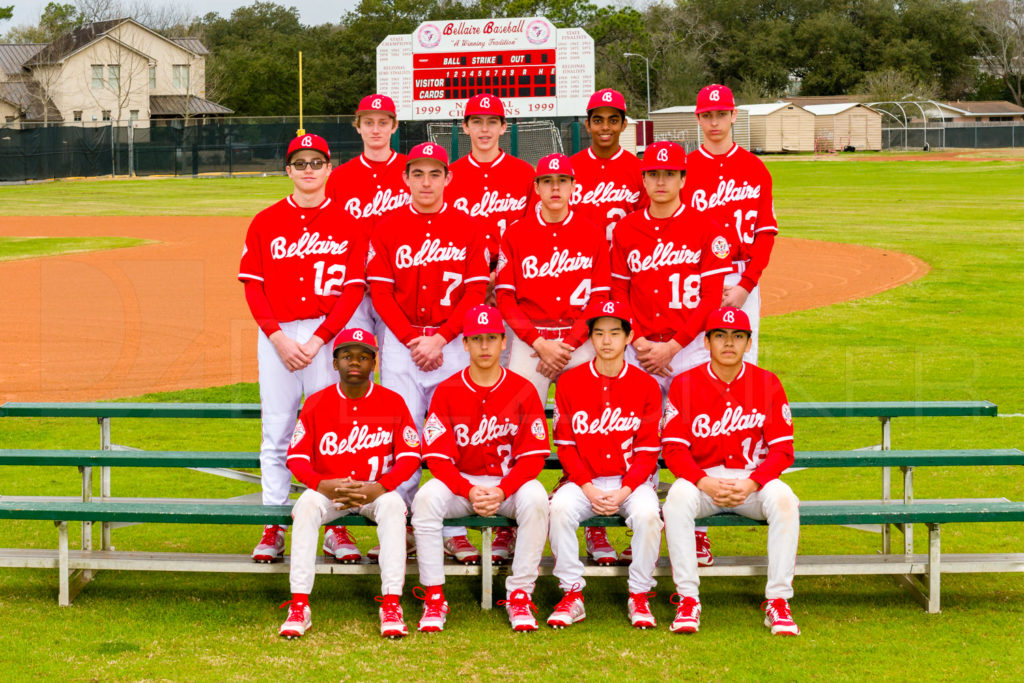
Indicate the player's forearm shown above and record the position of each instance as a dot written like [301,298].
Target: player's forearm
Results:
[780,456]
[525,469]
[400,473]
[710,299]
[259,306]
[473,294]
[572,462]
[680,462]
[760,253]
[303,470]
[344,306]
[445,470]
[383,297]
[513,314]
[643,466]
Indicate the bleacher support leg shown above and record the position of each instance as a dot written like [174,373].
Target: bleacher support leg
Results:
[486,569]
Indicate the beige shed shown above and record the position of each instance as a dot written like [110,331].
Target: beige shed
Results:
[837,126]
[679,124]
[780,127]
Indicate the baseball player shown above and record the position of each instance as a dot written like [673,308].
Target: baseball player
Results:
[353,444]
[488,184]
[728,435]
[368,187]
[302,267]
[734,188]
[669,263]
[552,263]
[608,186]
[606,432]
[485,441]
[426,267]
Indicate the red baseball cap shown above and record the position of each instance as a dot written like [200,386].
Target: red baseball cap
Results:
[608,309]
[607,98]
[665,155]
[554,164]
[484,105]
[482,319]
[428,150]
[376,103]
[715,97]
[728,318]
[308,141]
[356,337]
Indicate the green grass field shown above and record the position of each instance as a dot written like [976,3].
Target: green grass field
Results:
[16,248]
[955,334]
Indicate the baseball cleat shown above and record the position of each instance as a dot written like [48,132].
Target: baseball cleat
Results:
[687,614]
[435,609]
[271,545]
[300,620]
[504,544]
[778,617]
[626,556]
[392,624]
[568,611]
[520,610]
[373,554]
[339,544]
[598,547]
[461,549]
[704,556]
[639,608]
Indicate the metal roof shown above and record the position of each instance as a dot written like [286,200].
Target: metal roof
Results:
[987,108]
[174,106]
[767,108]
[193,45]
[72,41]
[676,110]
[14,55]
[832,109]
[27,97]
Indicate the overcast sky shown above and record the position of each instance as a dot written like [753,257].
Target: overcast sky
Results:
[312,12]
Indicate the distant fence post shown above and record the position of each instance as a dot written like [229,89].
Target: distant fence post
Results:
[575,136]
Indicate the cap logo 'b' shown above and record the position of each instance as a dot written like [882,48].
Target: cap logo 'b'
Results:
[307,141]
[482,319]
[358,335]
[375,104]
[429,150]
[729,317]
[485,103]
[607,97]
[714,95]
[553,164]
[608,308]
[663,154]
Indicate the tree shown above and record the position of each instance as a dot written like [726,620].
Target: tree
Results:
[893,85]
[6,12]
[1000,39]
[57,19]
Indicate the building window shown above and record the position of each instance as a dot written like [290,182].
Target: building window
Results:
[97,77]
[106,114]
[133,115]
[179,76]
[114,77]
[152,78]
[78,115]
[9,119]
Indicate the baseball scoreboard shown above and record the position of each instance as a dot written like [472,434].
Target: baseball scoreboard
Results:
[535,68]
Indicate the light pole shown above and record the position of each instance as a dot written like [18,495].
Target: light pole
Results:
[647,64]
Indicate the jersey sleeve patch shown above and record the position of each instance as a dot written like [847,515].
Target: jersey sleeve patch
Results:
[370,253]
[720,247]
[300,431]
[432,429]
[670,413]
[502,261]
[787,414]
[537,429]
[411,438]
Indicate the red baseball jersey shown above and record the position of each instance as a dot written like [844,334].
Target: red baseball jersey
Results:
[549,272]
[496,194]
[734,189]
[499,430]
[670,272]
[370,189]
[426,270]
[745,424]
[607,190]
[304,258]
[607,426]
[372,438]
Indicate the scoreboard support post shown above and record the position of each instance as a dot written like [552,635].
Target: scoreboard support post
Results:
[513,132]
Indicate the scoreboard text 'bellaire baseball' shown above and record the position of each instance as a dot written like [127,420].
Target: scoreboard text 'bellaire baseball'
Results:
[535,68]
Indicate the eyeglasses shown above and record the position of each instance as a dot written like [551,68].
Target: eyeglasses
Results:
[300,165]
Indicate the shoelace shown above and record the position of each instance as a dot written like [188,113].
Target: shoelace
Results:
[636,598]
[505,534]
[296,610]
[778,609]
[597,539]
[269,535]
[685,603]
[343,536]
[437,604]
[389,607]
[520,602]
[570,595]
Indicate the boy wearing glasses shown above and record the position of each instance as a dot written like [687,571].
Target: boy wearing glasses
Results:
[303,270]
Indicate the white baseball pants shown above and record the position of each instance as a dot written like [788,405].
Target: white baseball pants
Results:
[752,307]
[775,502]
[570,506]
[281,391]
[366,318]
[314,509]
[522,362]
[435,502]
[690,356]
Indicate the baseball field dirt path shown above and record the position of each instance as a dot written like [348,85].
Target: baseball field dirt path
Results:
[171,315]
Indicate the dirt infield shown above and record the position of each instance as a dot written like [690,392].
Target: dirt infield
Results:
[171,315]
